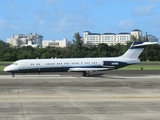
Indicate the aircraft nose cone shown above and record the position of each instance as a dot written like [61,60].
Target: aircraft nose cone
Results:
[6,69]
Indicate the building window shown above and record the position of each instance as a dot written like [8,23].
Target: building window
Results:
[53,43]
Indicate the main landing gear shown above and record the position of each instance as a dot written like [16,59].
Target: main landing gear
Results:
[86,74]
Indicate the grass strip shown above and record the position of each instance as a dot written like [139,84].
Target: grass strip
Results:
[141,67]
[2,68]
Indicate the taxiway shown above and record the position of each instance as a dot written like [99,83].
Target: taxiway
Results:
[58,97]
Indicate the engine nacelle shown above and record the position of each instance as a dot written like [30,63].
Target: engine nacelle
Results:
[113,64]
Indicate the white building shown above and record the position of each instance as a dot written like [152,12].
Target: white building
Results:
[137,33]
[31,39]
[109,38]
[15,40]
[56,43]
[152,38]
[35,38]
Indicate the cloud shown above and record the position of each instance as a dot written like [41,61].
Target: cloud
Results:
[16,7]
[41,14]
[155,20]
[42,22]
[13,17]
[6,25]
[126,24]
[71,23]
[40,17]
[1,24]
[83,6]
[12,6]
[64,22]
[143,10]
[17,25]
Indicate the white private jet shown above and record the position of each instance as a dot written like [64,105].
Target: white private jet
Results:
[85,65]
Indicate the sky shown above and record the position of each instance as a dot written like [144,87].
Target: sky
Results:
[59,19]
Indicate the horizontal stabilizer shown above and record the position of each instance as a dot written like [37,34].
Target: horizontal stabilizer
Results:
[142,44]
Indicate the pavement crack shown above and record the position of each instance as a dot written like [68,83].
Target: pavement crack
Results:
[21,102]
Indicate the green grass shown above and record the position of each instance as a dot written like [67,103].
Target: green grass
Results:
[4,63]
[2,68]
[140,67]
[144,66]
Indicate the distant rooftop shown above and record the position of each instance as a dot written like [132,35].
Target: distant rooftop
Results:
[136,30]
[109,34]
[124,33]
[151,35]
[89,33]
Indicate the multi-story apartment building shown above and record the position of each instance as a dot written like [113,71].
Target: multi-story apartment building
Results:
[109,38]
[31,39]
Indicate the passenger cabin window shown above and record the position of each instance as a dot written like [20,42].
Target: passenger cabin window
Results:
[75,63]
[66,63]
[50,63]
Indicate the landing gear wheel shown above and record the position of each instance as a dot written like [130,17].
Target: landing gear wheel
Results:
[13,75]
[86,74]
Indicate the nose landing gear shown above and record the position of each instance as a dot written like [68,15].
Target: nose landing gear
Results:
[13,74]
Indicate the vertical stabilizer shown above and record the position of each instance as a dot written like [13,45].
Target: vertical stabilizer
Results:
[136,49]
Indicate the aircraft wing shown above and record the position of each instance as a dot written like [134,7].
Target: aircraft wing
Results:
[87,69]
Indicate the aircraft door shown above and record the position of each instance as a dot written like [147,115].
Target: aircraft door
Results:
[20,65]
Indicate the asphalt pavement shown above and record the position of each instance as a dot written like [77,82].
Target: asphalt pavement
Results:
[116,95]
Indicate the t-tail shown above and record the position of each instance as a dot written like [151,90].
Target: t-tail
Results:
[136,49]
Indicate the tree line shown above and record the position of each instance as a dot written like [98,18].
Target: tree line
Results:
[76,50]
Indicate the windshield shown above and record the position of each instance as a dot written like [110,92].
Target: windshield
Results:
[15,63]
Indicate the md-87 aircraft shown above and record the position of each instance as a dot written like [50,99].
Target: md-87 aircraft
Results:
[84,65]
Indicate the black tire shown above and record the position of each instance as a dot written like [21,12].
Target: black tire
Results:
[87,74]
[84,73]
[13,74]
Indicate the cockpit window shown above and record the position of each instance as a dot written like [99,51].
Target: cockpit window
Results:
[15,63]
